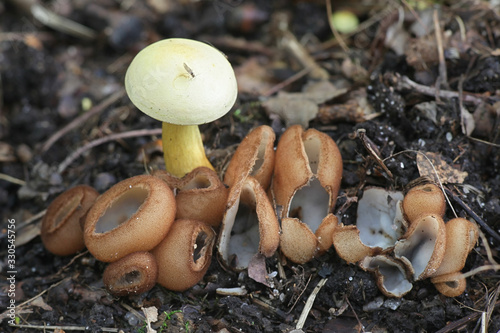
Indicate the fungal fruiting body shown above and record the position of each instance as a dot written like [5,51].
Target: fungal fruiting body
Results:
[133,215]
[307,175]
[61,229]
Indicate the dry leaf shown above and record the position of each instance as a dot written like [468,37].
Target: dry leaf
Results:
[41,303]
[447,174]
[257,269]
[151,315]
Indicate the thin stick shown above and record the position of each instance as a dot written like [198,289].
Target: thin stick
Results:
[403,82]
[338,37]
[309,304]
[116,136]
[77,122]
[64,328]
[286,82]
[11,179]
[443,75]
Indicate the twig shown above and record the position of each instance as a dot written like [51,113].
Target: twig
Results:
[64,328]
[476,217]
[403,83]
[309,304]
[116,136]
[82,119]
[336,34]
[11,179]
[443,75]
[286,82]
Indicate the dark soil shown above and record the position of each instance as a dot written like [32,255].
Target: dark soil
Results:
[49,78]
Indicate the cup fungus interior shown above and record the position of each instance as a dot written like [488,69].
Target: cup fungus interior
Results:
[200,181]
[243,222]
[390,274]
[200,246]
[380,219]
[121,209]
[310,204]
[420,245]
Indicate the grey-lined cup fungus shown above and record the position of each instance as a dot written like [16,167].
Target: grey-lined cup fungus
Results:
[249,227]
[199,195]
[183,83]
[61,230]
[184,255]
[133,274]
[253,157]
[307,175]
[379,225]
[133,215]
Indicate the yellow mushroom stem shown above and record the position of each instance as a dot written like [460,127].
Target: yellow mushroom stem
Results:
[183,149]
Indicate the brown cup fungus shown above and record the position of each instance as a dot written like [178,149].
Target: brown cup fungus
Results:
[249,227]
[254,157]
[133,215]
[461,236]
[423,199]
[199,195]
[307,175]
[61,230]
[184,255]
[133,274]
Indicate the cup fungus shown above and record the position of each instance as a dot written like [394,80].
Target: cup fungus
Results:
[184,255]
[61,229]
[249,227]
[461,236]
[422,247]
[423,199]
[379,225]
[390,275]
[133,215]
[254,157]
[199,195]
[183,83]
[135,273]
[307,175]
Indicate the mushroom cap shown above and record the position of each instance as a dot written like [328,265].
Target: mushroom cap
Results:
[135,273]
[133,215]
[200,195]
[61,230]
[423,199]
[181,81]
[185,254]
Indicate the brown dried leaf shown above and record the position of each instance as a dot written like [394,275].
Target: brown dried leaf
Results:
[41,303]
[257,269]
[445,172]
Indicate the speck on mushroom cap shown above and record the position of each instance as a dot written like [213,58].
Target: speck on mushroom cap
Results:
[181,81]
[61,229]
[133,215]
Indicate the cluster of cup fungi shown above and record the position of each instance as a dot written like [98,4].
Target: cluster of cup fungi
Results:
[163,227]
